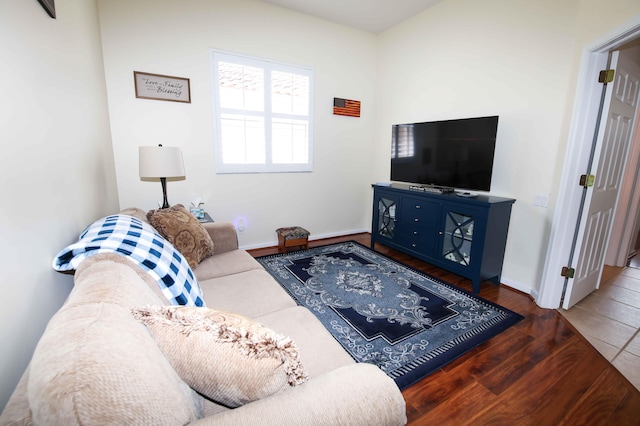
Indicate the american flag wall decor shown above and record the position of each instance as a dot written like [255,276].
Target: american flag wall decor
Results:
[346,107]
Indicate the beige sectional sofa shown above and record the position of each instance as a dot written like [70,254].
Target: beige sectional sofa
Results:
[97,364]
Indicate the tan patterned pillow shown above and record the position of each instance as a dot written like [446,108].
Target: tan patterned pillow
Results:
[226,357]
[184,231]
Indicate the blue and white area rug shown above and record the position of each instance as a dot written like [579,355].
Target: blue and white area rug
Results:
[382,312]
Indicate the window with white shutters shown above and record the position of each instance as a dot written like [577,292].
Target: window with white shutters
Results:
[262,115]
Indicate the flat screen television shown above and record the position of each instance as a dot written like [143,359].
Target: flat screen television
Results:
[450,153]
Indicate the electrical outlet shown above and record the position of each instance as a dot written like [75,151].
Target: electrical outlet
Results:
[541,200]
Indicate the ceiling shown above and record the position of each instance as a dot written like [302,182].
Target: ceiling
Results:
[374,16]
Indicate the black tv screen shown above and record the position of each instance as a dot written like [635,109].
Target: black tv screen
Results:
[449,153]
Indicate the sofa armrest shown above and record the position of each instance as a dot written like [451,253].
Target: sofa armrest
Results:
[357,394]
[224,236]
[17,411]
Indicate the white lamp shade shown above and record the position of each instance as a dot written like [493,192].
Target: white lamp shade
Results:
[160,161]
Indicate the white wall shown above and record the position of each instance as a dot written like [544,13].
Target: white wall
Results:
[174,38]
[517,59]
[57,170]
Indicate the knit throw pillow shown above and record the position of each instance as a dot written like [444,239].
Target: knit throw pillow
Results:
[226,357]
[184,231]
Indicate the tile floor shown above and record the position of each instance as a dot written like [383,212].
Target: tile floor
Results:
[609,318]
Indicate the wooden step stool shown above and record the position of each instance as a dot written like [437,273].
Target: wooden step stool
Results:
[291,237]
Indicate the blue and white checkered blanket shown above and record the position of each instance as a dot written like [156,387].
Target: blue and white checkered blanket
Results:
[140,242]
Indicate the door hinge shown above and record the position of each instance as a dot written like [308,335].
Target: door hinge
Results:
[606,76]
[567,272]
[587,180]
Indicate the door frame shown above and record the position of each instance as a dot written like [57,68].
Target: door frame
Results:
[585,114]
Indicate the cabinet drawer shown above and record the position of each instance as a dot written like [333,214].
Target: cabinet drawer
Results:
[420,240]
[420,213]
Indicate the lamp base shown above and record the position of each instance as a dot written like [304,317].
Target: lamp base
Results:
[165,203]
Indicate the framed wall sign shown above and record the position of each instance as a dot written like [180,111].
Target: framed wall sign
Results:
[49,6]
[161,87]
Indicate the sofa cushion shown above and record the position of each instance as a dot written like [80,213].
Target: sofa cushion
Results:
[319,351]
[95,364]
[252,293]
[184,231]
[224,356]
[224,264]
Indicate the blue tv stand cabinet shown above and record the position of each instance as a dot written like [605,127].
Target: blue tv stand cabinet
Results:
[464,235]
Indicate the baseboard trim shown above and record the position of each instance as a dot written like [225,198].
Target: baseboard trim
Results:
[274,243]
[520,287]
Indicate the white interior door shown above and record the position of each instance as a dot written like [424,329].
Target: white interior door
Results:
[609,157]
[626,223]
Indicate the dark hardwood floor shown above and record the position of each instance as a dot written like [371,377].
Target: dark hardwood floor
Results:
[539,372]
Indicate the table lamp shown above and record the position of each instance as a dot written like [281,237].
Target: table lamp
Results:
[161,162]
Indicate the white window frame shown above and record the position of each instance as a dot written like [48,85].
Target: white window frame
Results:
[268,65]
